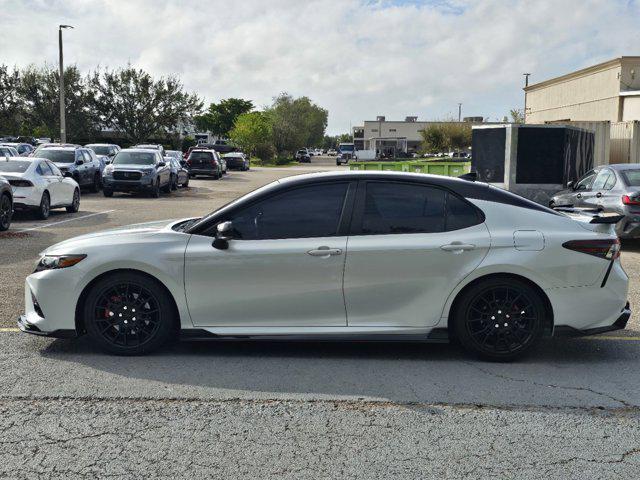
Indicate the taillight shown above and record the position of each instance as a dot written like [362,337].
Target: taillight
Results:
[605,249]
[627,200]
[20,183]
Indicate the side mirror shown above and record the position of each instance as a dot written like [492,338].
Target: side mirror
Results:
[107,160]
[79,161]
[162,164]
[183,163]
[68,174]
[570,184]
[221,242]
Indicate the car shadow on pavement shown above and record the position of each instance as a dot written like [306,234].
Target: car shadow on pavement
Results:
[406,372]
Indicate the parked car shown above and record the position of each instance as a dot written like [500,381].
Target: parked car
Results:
[332,152]
[236,161]
[151,146]
[181,173]
[23,149]
[137,170]
[7,151]
[450,258]
[6,203]
[39,148]
[204,162]
[318,151]
[177,154]
[302,156]
[81,163]
[610,189]
[39,185]
[106,150]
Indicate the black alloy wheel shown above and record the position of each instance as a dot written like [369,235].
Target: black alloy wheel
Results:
[129,314]
[6,212]
[174,182]
[45,206]
[75,204]
[499,319]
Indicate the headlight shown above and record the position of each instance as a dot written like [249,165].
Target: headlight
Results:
[148,171]
[108,170]
[53,262]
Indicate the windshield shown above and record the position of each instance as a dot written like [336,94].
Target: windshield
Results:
[631,177]
[173,153]
[346,148]
[58,156]
[134,158]
[15,166]
[99,149]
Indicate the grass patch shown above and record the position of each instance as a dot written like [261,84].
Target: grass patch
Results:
[275,162]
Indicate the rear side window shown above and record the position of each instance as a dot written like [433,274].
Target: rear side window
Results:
[396,208]
[304,212]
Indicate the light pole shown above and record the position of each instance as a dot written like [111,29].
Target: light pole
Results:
[63,130]
[459,112]
[526,84]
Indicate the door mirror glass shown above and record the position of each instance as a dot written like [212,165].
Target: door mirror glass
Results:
[223,232]
[161,164]
[79,161]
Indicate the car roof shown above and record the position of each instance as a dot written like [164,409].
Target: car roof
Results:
[138,149]
[63,148]
[100,145]
[623,166]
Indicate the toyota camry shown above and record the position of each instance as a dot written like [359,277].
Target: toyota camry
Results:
[340,255]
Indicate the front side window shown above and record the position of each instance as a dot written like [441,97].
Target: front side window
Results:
[304,212]
[395,208]
[586,181]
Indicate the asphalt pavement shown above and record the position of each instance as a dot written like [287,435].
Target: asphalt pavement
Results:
[301,410]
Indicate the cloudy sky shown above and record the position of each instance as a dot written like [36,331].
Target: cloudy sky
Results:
[357,58]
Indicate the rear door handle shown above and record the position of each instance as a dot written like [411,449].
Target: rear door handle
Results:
[324,252]
[457,247]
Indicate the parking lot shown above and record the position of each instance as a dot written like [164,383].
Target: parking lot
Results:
[294,410]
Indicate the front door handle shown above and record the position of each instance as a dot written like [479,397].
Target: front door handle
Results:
[598,194]
[457,247]
[324,252]
[579,195]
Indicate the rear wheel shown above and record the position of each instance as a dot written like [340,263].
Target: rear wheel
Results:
[45,206]
[174,182]
[107,192]
[6,212]
[499,319]
[129,314]
[155,191]
[75,203]
[95,186]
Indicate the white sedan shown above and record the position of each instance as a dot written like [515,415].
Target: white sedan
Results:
[39,185]
[347,255]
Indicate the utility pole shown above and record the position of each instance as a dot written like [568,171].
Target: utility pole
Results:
[63,130]
[526,84]
[459,112]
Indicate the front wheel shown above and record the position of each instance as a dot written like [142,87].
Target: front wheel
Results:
[107,192]
[499,319]
[95,186]
[155,190]
[75,203]
[129,314]
[6,212]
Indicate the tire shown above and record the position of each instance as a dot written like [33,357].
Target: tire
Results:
[499,319]
[6,212]
[155,192]
[186,183]
[45,206]
[107,192]
[129,313]
[174,183]
[75,203]
[192,175]
[168,187]
[95,186]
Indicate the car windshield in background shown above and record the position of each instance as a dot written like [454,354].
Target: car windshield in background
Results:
[58,156]
[152,147]
[134,158]
[631,177]
[100,150]
[201,156]
[15,166]
[346,148]
[173,153]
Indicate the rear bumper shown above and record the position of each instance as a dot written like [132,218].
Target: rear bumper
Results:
[619,324]
[27,327]
[202,171]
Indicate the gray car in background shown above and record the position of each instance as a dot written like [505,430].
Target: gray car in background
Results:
[611,189]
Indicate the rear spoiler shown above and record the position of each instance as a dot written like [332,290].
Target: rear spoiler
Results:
[598,216]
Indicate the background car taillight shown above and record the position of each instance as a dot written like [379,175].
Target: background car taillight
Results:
[20,183]
[627,200]
[605,249]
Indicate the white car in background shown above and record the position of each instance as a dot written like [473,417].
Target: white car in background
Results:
[7,151]
[347,255]
[39,185]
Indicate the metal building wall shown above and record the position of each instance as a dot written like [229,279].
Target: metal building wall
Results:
[625,142]
[602,139]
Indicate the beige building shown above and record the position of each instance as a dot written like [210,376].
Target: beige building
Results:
[609,91]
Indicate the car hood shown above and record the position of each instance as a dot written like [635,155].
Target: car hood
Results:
[113,236]
[126,166]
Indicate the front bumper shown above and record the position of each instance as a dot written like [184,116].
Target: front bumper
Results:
[26,327]
[619,324]
[145,183]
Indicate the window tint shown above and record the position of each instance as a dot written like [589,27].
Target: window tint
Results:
[304,212]
[394,208]
[601,179]
[631,177]
[586,181]
[44,169]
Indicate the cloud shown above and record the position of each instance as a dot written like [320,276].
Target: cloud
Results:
[356,58]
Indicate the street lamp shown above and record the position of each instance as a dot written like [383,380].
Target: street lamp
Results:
[63,131]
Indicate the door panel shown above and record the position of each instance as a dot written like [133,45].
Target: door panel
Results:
[265,283]
[404,280]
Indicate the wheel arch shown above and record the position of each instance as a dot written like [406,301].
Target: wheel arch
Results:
[549,317]
[79,321]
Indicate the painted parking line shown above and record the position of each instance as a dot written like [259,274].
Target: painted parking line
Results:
[65,221]
[608,339]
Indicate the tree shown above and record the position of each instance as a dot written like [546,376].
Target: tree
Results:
[517,115]
[296,123]
[253,133]
[131,102]
[12,109]
[446,136]
[433,139]
[220,118]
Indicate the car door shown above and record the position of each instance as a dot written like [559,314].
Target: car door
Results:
[410,245]
[53,183]
[582,190]
[283,266]
[597,195]
[65,187]
[81,169]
